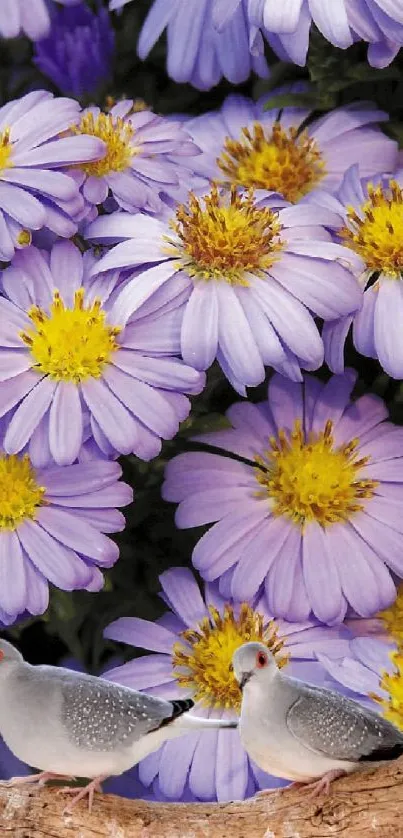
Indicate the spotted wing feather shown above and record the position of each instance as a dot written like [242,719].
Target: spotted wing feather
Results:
[98,715]
[329,723]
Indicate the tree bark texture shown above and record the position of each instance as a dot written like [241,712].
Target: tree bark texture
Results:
[368,803]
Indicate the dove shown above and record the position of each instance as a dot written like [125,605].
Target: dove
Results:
[305,733]
[68,724]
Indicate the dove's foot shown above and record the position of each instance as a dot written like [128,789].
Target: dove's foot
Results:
[38,779]
[90,789]
[322,786]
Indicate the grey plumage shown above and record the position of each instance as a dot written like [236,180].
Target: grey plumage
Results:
[74,724]
[102,718]
[302,732]
[331,724]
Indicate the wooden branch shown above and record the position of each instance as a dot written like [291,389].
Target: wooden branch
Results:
[366,803]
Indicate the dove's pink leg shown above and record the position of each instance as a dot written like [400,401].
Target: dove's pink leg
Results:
[322,786]
[93,786]
[39,779]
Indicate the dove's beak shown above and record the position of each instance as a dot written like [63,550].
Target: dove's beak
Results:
[246,676]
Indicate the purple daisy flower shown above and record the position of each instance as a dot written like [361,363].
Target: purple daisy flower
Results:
[32,194]
[137,169]
[52,525]
[30,17]
[287,25]
[74,361]
[372,214]
[246,145]
[255,279]
[313,513]
[194,642]
[77,54]
[197,52]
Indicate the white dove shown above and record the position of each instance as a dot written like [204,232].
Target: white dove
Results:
[305,733]
[69,725]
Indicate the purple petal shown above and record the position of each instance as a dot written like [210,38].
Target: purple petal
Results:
[202,772]
[388,332]
[78,535]
[61,566]
[175,762]
[199,335]
[15,389]
[183,595]
[13,582]
[231,767]
[142,673]
[280,579]
[28,415]
[65,424]
[320,574]
[259,555]
[141,633]
[80,479]
[242,356]
[366,582]
[221,546]
[114,420]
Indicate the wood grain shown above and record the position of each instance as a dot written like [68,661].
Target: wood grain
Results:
[368,803]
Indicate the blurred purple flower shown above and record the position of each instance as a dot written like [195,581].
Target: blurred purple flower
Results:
[246,144]
[32,194]
[372,215]
[210,765]
[30,17]
[52,525]
[137,169]
[78,52]
[314,515]
[197,52]
[255,279]
[287,25]
[77,364]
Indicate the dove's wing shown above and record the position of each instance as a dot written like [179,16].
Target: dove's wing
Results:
[100,715]
[330,724]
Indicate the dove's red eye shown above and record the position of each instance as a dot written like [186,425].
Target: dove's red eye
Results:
[1,655]
[261,660]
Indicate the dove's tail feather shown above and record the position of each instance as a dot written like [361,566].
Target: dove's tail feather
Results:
[188,722]
[380,754]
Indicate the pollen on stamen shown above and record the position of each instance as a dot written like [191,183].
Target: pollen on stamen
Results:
[375,231]
[278,160]
[20,492]
[392,684]
[311,479]
[117,134]
[71,344]
[224,236]
[202,659]
[392,618]
[5,149]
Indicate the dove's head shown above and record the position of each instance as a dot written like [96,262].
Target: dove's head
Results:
[8,654]
[253,662]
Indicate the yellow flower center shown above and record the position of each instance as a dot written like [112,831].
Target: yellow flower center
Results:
[392,618]
[203,659]
[116,134]
[225,237]
[71,344]
[376,234]
[281,161]
[20,493]
[5,150]
[392,706]
[311,479]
